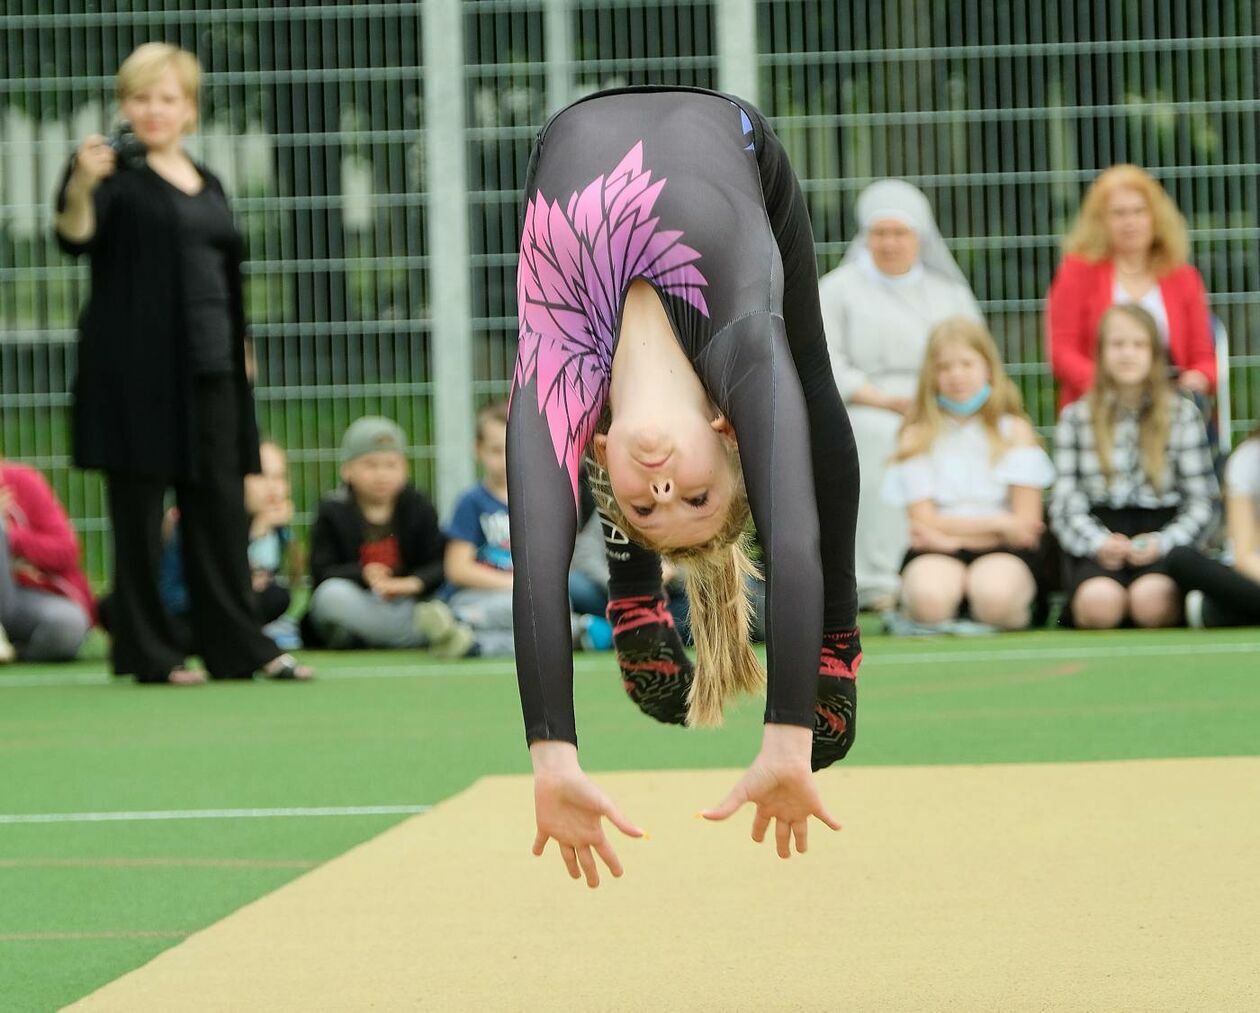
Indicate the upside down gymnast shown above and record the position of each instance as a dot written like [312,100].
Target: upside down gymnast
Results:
[670,329]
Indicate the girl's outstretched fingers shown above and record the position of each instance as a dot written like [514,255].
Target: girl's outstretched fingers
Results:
[801,832]
[728,806]
[783,838]
[613,815]
[540,843]
[826,818]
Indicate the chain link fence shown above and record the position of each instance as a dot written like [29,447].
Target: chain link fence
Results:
[378,282]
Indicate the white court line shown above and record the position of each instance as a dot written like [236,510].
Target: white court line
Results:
[927,656]
[213,814]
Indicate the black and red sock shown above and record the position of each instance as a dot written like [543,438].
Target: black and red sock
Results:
[835,716]
[655,669]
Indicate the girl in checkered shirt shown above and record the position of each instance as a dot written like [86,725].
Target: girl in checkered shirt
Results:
[970,471]
[1135,480]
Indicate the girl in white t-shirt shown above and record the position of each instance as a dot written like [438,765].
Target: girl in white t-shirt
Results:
[1227,593]
[970,471]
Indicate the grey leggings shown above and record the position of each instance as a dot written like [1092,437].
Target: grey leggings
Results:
[42,625]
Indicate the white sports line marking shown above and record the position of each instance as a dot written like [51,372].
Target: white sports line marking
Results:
[213,814]
[881,658]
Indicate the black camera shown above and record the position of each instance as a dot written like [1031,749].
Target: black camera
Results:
[129,150]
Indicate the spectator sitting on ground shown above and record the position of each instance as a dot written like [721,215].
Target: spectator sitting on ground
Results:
[479,550]
[1227,593]
[272,551]
[1129,245]
[46,605]
[1135,480]
[376,554]
[898,280]
[970,471]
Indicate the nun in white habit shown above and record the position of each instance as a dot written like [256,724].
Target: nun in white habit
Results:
[896,282]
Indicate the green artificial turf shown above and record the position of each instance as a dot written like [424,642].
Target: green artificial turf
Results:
[85,902]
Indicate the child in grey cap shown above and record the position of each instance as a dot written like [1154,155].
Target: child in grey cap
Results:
[376,553]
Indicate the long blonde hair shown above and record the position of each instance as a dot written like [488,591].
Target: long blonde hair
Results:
[924,420]
[1155,414]
[1170,244]
[716,574]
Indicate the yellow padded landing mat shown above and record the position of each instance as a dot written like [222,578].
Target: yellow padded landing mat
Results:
[1102,886]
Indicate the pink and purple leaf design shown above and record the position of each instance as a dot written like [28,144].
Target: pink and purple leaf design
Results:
[576,263]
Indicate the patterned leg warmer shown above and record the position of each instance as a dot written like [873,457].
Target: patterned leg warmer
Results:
[655,669]
[835,716]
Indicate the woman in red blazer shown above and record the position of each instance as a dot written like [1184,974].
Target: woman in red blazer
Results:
[1129,244]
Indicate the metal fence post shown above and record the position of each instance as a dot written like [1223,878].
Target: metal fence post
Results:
[558,47]
[738,65]
[450,315]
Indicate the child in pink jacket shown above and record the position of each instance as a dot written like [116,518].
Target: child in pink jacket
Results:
[46,606]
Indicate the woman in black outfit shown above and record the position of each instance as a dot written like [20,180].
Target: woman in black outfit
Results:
[161,398]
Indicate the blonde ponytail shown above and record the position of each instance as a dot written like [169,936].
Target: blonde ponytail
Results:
[721,615]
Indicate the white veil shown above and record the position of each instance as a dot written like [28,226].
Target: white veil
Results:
[897,199]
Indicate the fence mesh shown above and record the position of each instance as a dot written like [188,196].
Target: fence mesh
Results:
[314,116]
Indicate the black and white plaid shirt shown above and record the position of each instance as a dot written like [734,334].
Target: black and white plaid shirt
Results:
[1189,481]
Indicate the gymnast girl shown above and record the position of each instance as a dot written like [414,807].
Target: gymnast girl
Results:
[670,327]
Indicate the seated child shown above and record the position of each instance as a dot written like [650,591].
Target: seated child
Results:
[46,606]
[970,470]
[1227,593]
[1135,480]
[376,554]
[478,560]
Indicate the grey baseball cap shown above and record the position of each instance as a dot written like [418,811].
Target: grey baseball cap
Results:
[372,434]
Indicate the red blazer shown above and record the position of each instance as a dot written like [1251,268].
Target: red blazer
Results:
[43,548]
[1082,291]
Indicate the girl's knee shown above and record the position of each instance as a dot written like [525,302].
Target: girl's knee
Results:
[928,600]
[1154,601]
[1098,604]
[1000,592]
[59,637]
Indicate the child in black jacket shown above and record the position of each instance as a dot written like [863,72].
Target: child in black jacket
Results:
[376,554]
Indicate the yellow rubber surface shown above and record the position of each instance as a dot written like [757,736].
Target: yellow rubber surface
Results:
[1106,886]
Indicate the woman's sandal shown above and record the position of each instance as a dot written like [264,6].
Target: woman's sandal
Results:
[287,668]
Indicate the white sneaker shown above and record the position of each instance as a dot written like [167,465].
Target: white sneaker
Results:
[1194,610]
[7,653]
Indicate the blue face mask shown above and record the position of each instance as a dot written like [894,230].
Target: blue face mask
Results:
[969,407]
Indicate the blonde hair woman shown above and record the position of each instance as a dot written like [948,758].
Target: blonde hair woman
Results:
[1128,245]
[667,281]
[161,397]
[969,470]
[1135,480]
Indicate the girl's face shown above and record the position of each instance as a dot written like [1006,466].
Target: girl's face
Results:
[893,244]
[1129,222]
[960,371]
[161,112]
[492,451]
[1126,353]
[673,478]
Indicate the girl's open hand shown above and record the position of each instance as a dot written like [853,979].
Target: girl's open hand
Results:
[782,786]
[570,809]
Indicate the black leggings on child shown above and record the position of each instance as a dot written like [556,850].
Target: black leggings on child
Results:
[1230,599]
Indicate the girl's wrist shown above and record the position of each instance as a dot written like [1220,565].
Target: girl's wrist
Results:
[792,742]
[553,755]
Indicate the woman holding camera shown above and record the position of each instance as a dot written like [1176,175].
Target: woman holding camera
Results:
[161,398]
